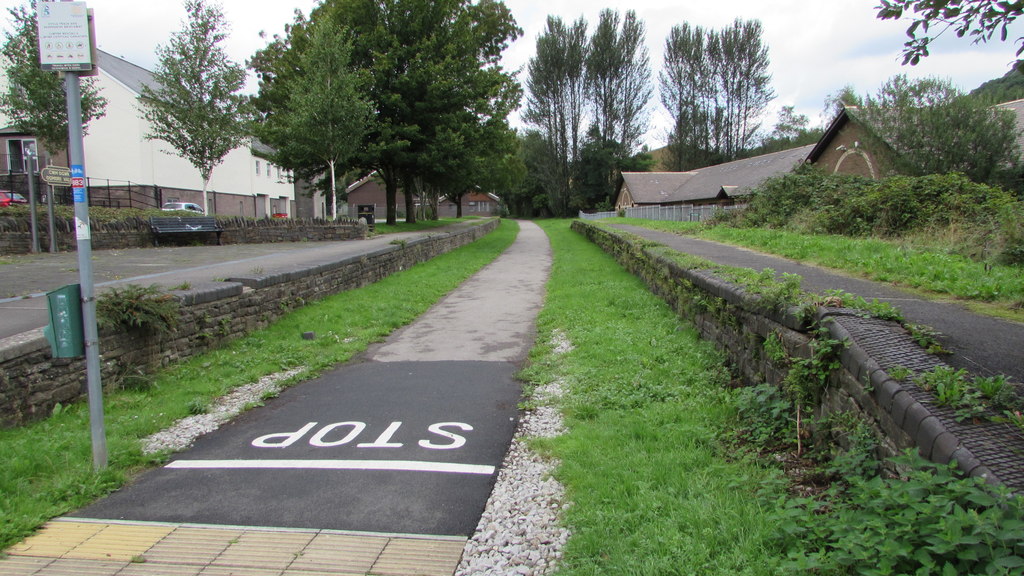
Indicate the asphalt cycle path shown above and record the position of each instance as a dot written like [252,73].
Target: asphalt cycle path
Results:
[407,440]
[24,279]
[979,344]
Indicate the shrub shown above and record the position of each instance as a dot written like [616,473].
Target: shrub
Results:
[135,306]
[930,521]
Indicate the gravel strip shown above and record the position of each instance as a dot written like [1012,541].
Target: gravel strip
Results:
[520,532]
[184,432]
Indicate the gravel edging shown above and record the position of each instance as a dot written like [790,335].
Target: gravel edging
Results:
[520,531]
[184,432]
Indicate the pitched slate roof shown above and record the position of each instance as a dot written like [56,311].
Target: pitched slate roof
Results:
[727,180]
[132,76]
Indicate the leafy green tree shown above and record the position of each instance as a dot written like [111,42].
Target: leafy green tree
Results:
[934,128]
[687,92]
[321,125]
[836,102]
[556,105]
[194,104]
[36,100]
[978,19]
[430,65]
[791,130]
[529,197]
[619,78]
[716,86]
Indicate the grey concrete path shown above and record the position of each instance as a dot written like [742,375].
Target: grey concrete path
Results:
[980,344]
[24,279]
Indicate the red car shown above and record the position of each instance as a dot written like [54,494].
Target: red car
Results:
[7,198]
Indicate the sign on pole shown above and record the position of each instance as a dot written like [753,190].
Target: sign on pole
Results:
[56,176]
[64,36]
[66,46]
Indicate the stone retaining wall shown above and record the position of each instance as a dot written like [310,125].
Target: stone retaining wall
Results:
[32,382]
[899,414]
[16,234]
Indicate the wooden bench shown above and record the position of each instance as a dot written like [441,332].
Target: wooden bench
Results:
[184,225]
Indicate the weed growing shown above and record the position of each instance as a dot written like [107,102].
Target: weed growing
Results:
[929,521]
[47,464]
[143,307]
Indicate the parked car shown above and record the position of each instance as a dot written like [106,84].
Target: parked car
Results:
[7,198]
[188,206]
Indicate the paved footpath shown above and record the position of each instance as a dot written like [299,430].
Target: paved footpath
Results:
[980,344]
[382,466]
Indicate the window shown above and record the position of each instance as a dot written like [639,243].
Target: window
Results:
[278,172]
[17,150]
[257,167]
[268,170]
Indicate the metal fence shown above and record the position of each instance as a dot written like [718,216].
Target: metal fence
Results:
[102,192]
[684,213]
[597,215]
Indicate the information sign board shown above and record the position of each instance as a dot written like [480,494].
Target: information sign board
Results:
[64,36]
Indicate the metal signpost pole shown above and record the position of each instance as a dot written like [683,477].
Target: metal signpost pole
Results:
[49,216]
[30,179]
[76,155]
[66,45]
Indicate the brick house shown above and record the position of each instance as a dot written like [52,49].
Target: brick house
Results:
[849,146]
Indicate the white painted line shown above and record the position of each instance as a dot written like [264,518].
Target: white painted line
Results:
[398,465]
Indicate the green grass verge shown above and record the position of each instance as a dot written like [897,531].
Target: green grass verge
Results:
[653,489]
[47,465]
[938,272]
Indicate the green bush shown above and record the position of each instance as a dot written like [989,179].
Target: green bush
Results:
[134,306]
[931,521]
[979,221]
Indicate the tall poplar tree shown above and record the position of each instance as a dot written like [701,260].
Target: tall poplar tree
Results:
[557,102]
[195,105]
[716,87]
[619,79]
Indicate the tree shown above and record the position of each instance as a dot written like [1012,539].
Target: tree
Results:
[980,19]
[1009,87]
[430,66]
[791,130]
[619,78]
[321,124]
[836,102]
[715,85]
[934,129]
[36,100]
[556,104]
[687,92]
[194,104]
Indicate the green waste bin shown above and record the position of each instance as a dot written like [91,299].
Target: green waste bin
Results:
[65,332]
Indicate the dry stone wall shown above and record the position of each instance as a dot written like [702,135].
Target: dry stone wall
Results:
[898,414]
[32,382]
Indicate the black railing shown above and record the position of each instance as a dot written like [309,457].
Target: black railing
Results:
[102,192]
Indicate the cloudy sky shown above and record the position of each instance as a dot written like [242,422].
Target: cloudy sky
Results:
[815,47]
